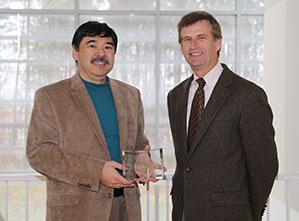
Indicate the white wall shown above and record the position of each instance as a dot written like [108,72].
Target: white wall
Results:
[281,81]
[281,78]
[275,68]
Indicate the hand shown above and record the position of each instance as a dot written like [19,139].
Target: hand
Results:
[111,178]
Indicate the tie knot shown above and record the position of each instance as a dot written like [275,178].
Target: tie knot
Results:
[201,82]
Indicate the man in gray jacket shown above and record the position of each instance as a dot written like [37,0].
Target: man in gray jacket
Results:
[222,132]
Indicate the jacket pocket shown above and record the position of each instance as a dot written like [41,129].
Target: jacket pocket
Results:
[230,198]
[56,200]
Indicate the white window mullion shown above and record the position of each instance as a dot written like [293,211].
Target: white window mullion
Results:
[238,43]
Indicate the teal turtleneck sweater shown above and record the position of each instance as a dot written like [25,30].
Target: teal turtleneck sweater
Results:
[103,102]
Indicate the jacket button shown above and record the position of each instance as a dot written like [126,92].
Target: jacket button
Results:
[188,169]
[109,195]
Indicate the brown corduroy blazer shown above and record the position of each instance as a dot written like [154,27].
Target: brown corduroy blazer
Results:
[229,171]
[66,143]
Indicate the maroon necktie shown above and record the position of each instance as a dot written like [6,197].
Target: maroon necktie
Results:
[197,108]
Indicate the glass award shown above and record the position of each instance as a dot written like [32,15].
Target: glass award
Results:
[143,164]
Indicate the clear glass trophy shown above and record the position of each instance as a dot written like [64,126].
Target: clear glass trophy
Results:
[143,164]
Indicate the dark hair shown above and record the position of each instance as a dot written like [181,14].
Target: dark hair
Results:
[193,17]
[91,29]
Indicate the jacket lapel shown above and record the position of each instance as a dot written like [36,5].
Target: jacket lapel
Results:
[182,103]
[118,97]
[81,96]
[220,93]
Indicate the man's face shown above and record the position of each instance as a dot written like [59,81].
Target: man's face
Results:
[95,58]
[199,47]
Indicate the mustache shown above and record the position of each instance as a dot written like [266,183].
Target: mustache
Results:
[99,58]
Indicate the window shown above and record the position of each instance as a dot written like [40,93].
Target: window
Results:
[35,44]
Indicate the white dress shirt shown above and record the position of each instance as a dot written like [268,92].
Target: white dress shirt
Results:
[211,79]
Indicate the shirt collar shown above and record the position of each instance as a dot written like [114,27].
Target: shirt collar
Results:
[211,77]
[107,82]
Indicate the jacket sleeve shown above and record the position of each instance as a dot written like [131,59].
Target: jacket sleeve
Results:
[45,153]
[257,135]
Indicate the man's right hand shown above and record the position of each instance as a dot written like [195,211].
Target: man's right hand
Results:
[111,178]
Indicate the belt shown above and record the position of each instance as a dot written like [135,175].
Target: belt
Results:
[118,192]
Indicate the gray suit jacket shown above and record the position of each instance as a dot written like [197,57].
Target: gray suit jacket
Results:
[229,172]
[66,144]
